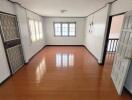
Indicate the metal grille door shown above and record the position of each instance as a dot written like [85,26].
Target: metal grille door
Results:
[11,40]
[123,55]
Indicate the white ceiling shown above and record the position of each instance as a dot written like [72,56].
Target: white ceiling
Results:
[75,8]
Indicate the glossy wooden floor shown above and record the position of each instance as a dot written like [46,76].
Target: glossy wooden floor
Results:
[62,73]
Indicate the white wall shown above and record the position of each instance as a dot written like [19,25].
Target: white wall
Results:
[29,48]
[4,69]
[94,41]
[23,28]
[121,6]
[36,46]
[49,31]
[5,6]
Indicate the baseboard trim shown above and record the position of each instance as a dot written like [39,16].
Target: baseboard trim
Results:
[5,80]
[35,55]
[45,47]
[41,50]
[82,46]
[92,55]
[64,45]
[21,67]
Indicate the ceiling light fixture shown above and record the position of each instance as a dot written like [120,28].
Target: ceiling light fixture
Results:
[63,11]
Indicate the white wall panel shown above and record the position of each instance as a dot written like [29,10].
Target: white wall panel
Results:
[94,41]
[29,48]
[52,40]
[4,69]
[23,28]
[36,46]
[6,6]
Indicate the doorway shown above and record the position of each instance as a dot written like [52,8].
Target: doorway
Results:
[11,40]
[113,34]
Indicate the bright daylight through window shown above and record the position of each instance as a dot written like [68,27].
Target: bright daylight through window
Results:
[36,30]
[63,29]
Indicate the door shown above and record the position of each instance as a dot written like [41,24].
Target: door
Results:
[123,55]
[11,39]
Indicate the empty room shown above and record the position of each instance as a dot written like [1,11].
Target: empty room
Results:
[65,49]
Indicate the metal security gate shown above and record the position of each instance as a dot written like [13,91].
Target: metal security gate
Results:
[123,55]
[11,39]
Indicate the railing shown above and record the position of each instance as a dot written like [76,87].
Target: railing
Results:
[112,45]
[111,49]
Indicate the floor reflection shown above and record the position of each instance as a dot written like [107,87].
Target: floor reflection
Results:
[41,68]
[64,60]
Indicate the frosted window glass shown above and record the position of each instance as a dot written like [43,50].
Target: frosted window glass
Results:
[37,30]
[72,29]
[64,29]
[58,29]
[32,30]
[40,30]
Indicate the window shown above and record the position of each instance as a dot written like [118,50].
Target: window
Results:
[36,30]
[58,29]
[72,29]
[40,30]
[32,30]
[65,29]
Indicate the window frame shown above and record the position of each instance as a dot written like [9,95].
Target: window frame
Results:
[61,29]
[55,30]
